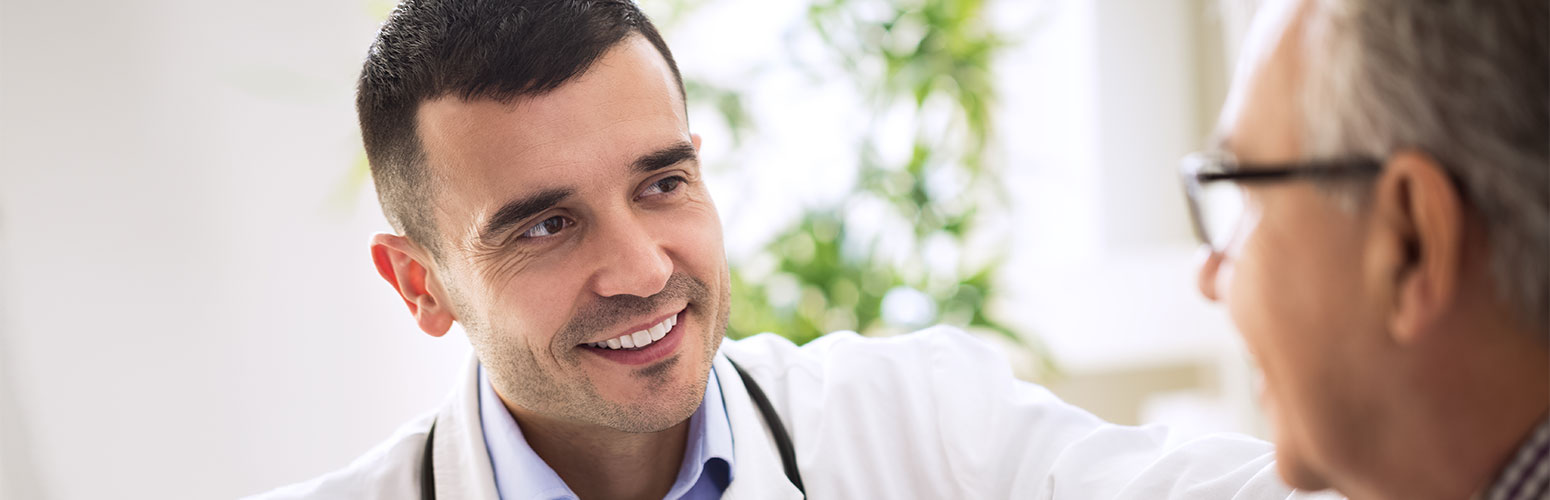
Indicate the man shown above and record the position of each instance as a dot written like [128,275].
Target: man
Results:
[1379,222]
[535,159]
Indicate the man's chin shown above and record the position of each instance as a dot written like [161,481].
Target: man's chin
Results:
[665,396]
[662,391]
[1292,459]
[660,411]
[1296,472]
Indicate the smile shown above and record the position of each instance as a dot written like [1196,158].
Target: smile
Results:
[647,345]
[640,339]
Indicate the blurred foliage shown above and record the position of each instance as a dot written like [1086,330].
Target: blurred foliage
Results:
[929,64]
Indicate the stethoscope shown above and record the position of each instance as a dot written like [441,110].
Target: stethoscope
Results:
[788,454]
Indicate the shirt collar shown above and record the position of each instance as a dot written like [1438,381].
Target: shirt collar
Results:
[520,474]
[710,440]
[1527,475]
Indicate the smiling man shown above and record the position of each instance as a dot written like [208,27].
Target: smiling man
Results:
[586,264]
[555,208]
[1378,218]
[535,160]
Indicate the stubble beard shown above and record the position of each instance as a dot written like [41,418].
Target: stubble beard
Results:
[513,368]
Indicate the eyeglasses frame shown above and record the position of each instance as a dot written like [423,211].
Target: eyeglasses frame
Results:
[1202,168]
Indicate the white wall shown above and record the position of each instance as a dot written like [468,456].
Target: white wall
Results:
[1101,100]
[188,312]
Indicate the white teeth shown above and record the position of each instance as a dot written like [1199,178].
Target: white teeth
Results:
[659,331]
[641,338]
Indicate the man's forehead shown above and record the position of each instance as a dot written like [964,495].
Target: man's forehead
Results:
[627,100]
[1273,23]
[628,83]
[1268,74]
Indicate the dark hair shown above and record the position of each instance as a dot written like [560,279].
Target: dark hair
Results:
[500,50]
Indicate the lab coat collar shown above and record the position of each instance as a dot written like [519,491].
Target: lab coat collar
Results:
[462,463]
[759,472]
[463,468]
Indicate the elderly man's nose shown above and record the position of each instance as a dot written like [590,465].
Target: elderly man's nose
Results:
[1210,264]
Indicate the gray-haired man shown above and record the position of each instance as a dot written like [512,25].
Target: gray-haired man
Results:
[1378,213]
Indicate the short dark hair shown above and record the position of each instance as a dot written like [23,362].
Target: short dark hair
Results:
[499,50]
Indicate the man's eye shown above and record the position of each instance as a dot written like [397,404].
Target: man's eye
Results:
[548,227]
[666,185]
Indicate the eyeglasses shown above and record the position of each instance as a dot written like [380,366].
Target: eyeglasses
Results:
[1216,204]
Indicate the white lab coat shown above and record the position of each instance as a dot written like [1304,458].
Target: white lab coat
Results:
[932,415]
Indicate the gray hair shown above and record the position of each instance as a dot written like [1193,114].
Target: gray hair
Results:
[1467,82]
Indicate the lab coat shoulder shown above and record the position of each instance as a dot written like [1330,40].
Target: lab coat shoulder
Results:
[389,470]
[938,414]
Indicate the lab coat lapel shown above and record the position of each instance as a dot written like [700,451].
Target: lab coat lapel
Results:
[463,468]
[758,472]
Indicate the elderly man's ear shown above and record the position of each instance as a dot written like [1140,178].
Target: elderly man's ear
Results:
[1417,243]
[406,266]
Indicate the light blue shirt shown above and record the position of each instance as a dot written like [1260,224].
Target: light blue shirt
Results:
[521,475]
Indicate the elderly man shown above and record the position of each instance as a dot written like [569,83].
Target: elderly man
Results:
[1378,215]
[535,159]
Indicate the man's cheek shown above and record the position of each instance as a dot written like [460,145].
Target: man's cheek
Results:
[699,240]
[1249,301]
[1238,283]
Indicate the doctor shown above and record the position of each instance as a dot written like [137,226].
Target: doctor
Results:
[535,159]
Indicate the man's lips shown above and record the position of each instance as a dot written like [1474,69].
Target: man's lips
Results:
[658,348]
[639,335]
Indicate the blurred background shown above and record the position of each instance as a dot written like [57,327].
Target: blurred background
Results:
[188,308]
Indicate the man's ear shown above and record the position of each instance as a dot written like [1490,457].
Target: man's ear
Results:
[1419,229]
[408,268]
[695,138]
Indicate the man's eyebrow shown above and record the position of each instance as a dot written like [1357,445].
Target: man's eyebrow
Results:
[665,157]
[518,210]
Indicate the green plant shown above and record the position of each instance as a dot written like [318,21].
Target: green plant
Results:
[928,63]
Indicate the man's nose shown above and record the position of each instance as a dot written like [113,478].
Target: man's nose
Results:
[1210,265]
[630,261]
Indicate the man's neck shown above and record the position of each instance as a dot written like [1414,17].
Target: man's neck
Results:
[597,462]
[1460,417]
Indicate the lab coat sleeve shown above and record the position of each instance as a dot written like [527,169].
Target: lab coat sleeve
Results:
[1015,439]
[938,414]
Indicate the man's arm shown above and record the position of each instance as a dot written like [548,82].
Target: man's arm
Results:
[938,414]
